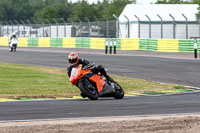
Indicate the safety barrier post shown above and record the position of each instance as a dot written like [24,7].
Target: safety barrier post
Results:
[195,48]
[106,48]
[115,44]
[110,45]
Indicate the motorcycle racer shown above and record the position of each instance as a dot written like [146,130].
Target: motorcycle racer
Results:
[13,41]
[89,79]
[74,60]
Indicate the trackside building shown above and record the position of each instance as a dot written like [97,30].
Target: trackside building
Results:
[167,21]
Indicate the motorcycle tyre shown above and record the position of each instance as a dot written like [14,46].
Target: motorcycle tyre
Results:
[119,93]
[14,48]
[85,91]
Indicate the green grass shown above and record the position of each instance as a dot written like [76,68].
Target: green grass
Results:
[20,81]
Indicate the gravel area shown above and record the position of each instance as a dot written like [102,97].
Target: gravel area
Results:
[188,123]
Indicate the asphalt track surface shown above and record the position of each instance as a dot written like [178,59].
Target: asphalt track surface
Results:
[59,109]
[167,70]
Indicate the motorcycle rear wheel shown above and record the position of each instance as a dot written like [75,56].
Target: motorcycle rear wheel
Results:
[119,92]
[87,91]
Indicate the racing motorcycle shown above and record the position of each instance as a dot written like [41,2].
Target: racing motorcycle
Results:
[13,45]
[93,85]
[13,48]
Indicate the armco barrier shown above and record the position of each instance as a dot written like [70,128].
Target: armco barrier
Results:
[168,45]
[148,44]
[82,42]
[97,43]
[23,42]
[69,43]
[33,42]
[159,45]
[130,44]
[3,41]
[187,45]
[56,42]
[44,42]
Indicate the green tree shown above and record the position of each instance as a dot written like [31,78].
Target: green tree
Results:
[198,14]
[6,10]
[54,11]
[82,10]
[42,9]
[115,7]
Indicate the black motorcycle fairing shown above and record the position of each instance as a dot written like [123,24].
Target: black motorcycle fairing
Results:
[106,91]
[88,88]
[89,75]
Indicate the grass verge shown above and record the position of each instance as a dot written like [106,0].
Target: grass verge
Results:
[20,81]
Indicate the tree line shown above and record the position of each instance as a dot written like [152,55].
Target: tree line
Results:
[48,9]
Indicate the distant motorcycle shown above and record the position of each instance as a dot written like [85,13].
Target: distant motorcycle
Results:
[13,47]
[13,44]
[93,85]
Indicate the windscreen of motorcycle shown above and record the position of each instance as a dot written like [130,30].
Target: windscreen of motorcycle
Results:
[74,74]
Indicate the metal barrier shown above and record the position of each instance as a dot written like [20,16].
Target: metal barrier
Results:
[58,27]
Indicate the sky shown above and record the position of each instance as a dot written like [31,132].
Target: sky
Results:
[138,1]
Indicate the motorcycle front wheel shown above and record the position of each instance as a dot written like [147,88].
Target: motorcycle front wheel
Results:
[88,90]
[119,92]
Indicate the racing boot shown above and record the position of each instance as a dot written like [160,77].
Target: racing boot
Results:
[109,79]
[104,73]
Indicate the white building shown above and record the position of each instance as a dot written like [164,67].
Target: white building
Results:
[149,13]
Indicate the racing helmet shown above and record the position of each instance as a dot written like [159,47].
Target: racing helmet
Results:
[13,35]
[73,58]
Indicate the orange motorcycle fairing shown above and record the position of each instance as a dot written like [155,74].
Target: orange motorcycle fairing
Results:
[100,82]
